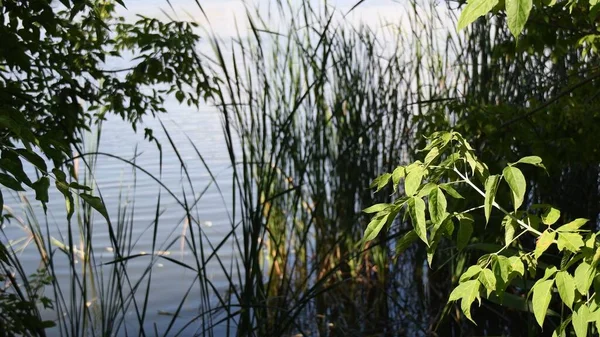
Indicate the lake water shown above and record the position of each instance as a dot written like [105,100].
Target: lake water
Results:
[114,178]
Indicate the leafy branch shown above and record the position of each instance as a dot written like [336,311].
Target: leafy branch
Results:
[450,166]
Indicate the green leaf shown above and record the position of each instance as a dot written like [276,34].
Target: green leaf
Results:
[465,230]
[64,189]
[580,321]
[531,160]
[550,215]
[542,294]
[472,272]
[77,186]
[583,278]
[10,182]
[413,180]
[569,241]
[560,330]
[397,175]
[59,175]
[33,158]
[406,241]
[502,269]
[41,189]
[96,204]
[473,10]
[467,292]
[381,181]
[543,242]
[416,209]
[488,279]
[515,179]
[426,189]
[491,186]
[430,157]
[510,228]
[437,205]
[517,12]
[375,226]
[431,251]
[376,208]
[451,191]
[516,265]
[572,226]
[566,288]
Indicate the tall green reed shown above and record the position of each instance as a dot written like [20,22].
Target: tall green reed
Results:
[319,108]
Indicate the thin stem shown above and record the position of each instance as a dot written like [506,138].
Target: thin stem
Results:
[519,221]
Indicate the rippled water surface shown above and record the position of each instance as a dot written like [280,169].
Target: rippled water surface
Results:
[123,187]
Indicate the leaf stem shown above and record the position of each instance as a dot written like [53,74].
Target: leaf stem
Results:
[495,204]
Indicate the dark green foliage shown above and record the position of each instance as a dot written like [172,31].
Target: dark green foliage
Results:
[55,83]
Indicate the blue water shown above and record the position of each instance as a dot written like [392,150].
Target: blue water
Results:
[115,179]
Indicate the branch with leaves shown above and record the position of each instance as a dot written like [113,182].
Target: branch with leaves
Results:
[450,165]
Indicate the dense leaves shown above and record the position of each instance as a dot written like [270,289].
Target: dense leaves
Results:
[502,272]
[55,82]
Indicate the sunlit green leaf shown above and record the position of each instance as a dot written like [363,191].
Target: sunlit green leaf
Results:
[437,205]
[432,155]
[488,279]
[572,226]
[583,278]
[542,294]
[467,292]
[517,12]
[510,228]
[562,328]
[569,241]
[381,181]
[416,209]
[580,320]
[376,208]
[451,191]
[532,160]
[502,269]
[375,226]
[491,186]
[515,179]
[426,189]
[397,175]
[516,265]
[543,242]
[472,272]
[550,215]
[566,287]
[413,180]
[465,230]
[473,10]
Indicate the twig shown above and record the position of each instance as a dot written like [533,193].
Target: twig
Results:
[495,204]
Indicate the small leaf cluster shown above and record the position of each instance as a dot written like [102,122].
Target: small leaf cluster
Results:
[577,16]
[424,189]
[56,81]
[19,314]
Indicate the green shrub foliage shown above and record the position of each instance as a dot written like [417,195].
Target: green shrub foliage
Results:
[451,167]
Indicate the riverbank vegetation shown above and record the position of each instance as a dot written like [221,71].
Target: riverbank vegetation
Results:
[315,109]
